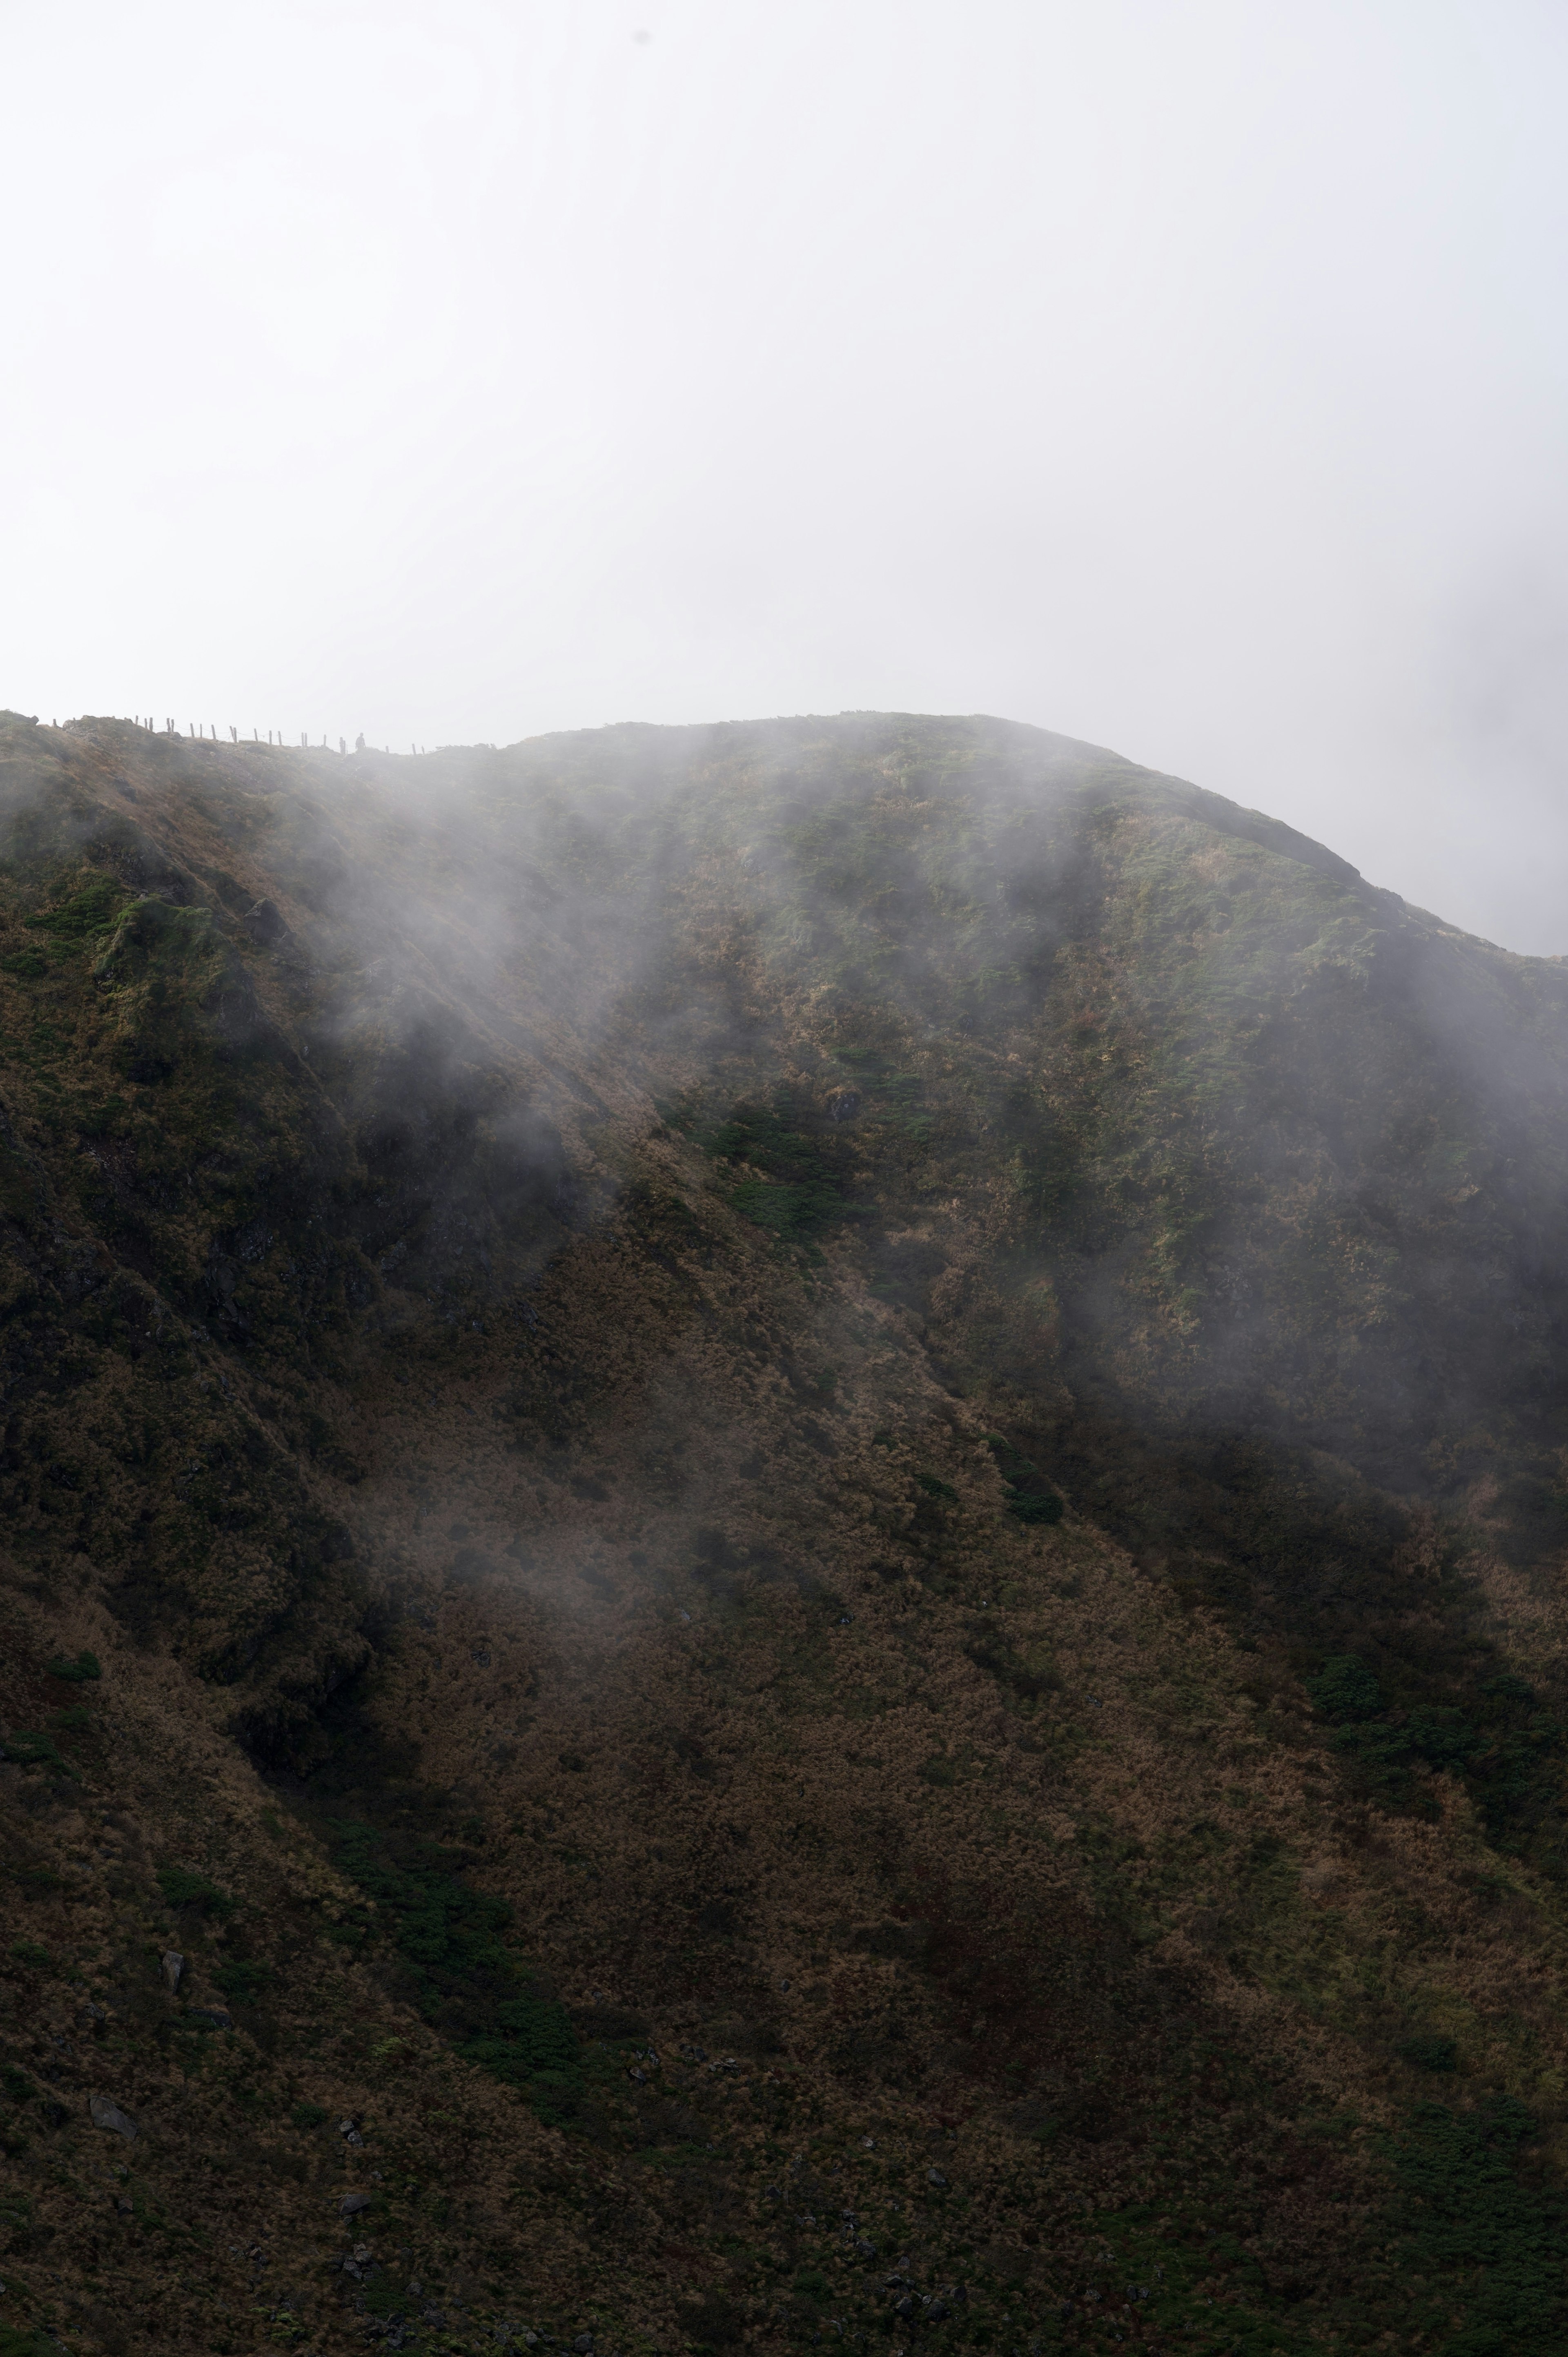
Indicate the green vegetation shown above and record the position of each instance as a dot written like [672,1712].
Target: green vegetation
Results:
[1471,2216]
[21,2341]
[1345,1689]
[1429,2053]
[456,1969]
[794,1186]
[29,1954]
[108,1117]
[308,2115]
[88,912]
[387,2298]
[35,1751]
[1500,1743]
[182,1888]
[1030,1497]
[85,1666]
[38,1880]
[243,1979]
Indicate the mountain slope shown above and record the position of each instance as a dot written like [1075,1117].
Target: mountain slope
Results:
[797,1491]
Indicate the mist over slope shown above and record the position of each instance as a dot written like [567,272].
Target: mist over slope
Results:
[797,1492]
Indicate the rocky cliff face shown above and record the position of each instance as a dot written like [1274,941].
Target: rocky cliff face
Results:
[793,1496]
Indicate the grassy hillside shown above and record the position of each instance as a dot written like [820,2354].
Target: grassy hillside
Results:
[794,1495]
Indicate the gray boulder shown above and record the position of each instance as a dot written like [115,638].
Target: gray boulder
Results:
[266,924]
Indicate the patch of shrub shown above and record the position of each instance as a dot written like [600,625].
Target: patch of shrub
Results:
[1028,1680]
[1429,2053]
[28,1953]
[21,2341]
[458,1971]
[1035,1506]
[383,2297]
[243,1981]
[934,1487]
[1381,1757]
[1503,1761]
[1344,1690]
[109,1118]
[38,1881]
[1469,2215]
[1030,1497]
[181,1888]
[86,1666]
[308,2115]
[88,911]
[799,1191]
[32,1750]
[792,1213]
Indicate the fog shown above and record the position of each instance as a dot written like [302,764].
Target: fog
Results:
[1187,378]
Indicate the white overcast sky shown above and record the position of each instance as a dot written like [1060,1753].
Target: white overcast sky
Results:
[1187,377]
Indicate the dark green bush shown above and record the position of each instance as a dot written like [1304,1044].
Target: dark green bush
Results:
[38,1881]
[36,1751]
[460,1973]
[800,1191]
[85,1666]
[1030,1497]
[1035,1506]
[1345,1689]
[91,910]
[20,2341]
[1429,2053]
[308,2115]
[109,1118]
[1443,1738]
[386,2300]
[1381,1756]
[934,1487]
[1383,1752]
[1469,2213]
[1499,1743]
[243,1981]
[792,1213]
[181,1888]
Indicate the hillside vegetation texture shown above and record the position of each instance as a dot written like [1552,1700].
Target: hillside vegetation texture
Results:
[782,1529]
